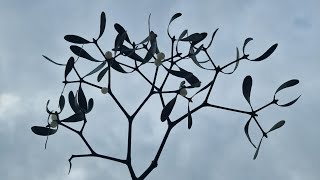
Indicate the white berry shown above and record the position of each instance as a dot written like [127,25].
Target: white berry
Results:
[54,117]
[183,92]
[54,123]
[104,90]
[160,55]
[108,55]
[158,62]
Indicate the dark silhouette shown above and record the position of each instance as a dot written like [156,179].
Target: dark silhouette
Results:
[124,47]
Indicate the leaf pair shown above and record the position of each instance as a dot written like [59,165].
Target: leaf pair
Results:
[80,104]
[285,85]
[188,76]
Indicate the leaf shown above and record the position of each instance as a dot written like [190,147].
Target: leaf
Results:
[69,67]
[43,131]
[175,16]
[96,69]
[168,109]
[195,38]
[287,84]
[82,53]
[52,61]
[47,109]
[257,150]
[237,64]
[246,88]
[102,73]
[189,118]
[246,130]
[120,39]
[82,99]
[289,103]
[188,76]
[194,58]
[277,125]
[213,35]
[62,102]
[102,24]
[245,43]
[76,39]
[90,105]
[183,34]
[75,118]
[121,30]
[267,53]
[131,54]
[72,102]
[150,52]
[116,66]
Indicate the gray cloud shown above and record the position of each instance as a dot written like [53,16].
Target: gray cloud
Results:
[216,146]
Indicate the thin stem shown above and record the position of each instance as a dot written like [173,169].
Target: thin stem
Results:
[118,103]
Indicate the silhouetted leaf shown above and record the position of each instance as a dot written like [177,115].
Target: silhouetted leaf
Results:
[194,58]
[76,39]
[257,150]
[289,103]
[236,66]
[246,130]
[75,118]
[116,66]
[102,24]
[72,102]
[121,30]
[131,54]
[195,38]
[245,43]
[102,73]
[168,109]
[82,99]
[47,109]
[62,102]
[82,53]
[266,54]
[277,125]
[151,51]
[52,61]
[96,69]
[69,67]
[246,88]
[175,16]
[213,35]
[43,131]
[120,39]
[90,105]
[183,34]
[287,84]
[189,118]
[192,79]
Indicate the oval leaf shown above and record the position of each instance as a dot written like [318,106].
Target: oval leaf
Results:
[76,39]
[246,88]
[47,109]
[72,102]
[75,118]
[102,73]
[90,105]
[96,69]
[183,34]
[246,130]
[174,17]
[69,67]
[82,99]
[43,131]
[116,66]
[82,53]
[289,103]
[168,109]
[276,126]
[102,24]
[213,35]
[257,150]
[131,54]
[195,38]
[189,118]
[62,102]
[245,43]
[287,84]
[121,30]
[52,61]
[267,53]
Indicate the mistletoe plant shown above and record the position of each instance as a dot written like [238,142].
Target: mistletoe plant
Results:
[124,47]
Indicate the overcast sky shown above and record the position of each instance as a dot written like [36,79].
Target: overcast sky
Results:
[216,146]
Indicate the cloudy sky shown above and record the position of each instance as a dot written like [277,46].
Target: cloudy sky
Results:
[216,146]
